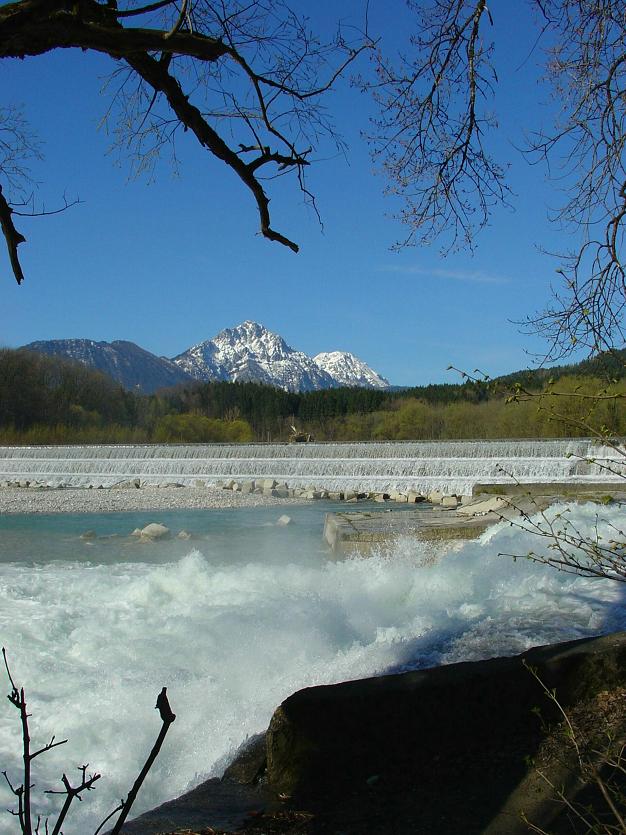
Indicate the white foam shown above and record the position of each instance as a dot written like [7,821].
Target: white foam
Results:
[451,466]
[94,644]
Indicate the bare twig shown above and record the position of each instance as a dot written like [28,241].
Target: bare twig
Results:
[167,717]
[87,781]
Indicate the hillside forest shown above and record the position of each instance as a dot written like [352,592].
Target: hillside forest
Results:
[46,400]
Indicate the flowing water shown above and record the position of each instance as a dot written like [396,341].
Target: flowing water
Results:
[450,466]
[235,620]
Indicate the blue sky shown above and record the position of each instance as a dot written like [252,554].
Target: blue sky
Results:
[170,263]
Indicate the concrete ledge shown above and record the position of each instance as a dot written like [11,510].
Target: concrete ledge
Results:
[361,531]
[593,491]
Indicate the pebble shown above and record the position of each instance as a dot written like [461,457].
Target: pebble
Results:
[74,500]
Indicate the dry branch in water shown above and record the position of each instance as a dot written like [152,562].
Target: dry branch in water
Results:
[23,791]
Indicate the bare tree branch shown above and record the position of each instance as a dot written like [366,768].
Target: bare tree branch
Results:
[431,141]
[12,237]
[254,70]
[430,136]
[87,781]
[167,717]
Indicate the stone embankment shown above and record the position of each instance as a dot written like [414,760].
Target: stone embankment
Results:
[281,490]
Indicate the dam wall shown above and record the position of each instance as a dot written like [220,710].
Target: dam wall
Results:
[448,466]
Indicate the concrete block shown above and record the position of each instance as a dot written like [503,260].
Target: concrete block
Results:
[449,501]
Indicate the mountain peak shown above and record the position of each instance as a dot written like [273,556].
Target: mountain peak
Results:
[349,370]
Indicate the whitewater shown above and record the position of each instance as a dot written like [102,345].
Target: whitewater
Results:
[235,621]
[449,466]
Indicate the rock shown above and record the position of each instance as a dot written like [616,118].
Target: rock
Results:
[236,487]
[281,492]
[449,501]
[283,521]
[249,762]
[228,485]
[381,497]
[415,498]
[199,483]
[247,487]
[444,734]
[311,494]
[183,535]
[88,535]
[269,483]
[334,497]
[403,497]
[434,497]
[154,531]
[136,532]
[132,484]
[479,508]
[348,494]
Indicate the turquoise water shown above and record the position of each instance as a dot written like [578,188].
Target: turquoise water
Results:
[234,535]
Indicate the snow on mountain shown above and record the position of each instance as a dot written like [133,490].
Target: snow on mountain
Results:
[251,352]
[247,352]
[348,370]
[132,366]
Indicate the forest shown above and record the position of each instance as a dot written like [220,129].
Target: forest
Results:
[45,400]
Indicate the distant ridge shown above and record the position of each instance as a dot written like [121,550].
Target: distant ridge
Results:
[131,366]
[248,352]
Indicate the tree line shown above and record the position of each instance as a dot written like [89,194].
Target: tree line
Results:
[47,400]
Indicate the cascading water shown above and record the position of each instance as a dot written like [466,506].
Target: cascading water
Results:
[450,466]
[235,622]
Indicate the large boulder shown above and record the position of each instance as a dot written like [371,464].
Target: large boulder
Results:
[449,501]
[479,508]
[155,531]
[451,747]
[132,484]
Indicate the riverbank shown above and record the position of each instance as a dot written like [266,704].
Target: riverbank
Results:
[81,500]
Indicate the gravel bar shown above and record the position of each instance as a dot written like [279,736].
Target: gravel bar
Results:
[84,500]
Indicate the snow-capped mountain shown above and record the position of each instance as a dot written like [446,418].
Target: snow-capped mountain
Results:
[348,370]
[132,366]
[251,352]
[248,352]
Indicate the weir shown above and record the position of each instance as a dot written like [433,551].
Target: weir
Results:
[448,466]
